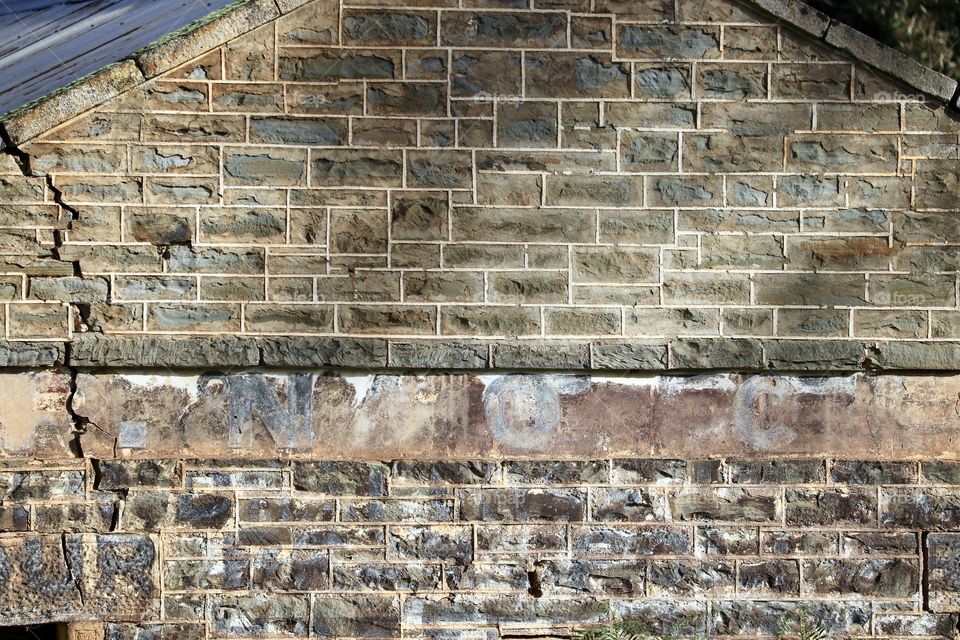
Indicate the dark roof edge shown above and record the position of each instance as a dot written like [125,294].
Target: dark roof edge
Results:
[864,48]
[35,118]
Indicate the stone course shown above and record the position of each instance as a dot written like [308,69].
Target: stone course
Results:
[465,175]
[201,548]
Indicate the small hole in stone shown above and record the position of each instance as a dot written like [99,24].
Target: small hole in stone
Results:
[534,579]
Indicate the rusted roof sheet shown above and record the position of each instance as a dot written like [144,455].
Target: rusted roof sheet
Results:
[47,44]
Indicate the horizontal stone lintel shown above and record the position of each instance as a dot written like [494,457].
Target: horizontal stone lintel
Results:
[677,355]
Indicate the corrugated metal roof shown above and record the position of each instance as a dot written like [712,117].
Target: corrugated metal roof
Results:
[47,44]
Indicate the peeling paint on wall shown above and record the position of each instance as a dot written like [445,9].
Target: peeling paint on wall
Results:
[378,416]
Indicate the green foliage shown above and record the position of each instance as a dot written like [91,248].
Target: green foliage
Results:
[926,30]
[617,630]
[802,629]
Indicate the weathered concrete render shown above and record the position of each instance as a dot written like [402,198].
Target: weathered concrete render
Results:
[266,414]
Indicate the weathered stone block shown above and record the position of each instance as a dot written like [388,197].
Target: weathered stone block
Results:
[826,323]
[550,162]
[419,216]
[810,507]
[297,570]
[942,551]
[780,577]
[389,27]
[341,478]
[630,505]
[801,355]
[873,472]
[407,98]
[569,356]
[612,191]
[234,616]
[672,321]
[731,82]
[392,320]
[649,151]
[730,353]
[60,576]
[408,511]
[388,577]
[197,575]
[892,578]
[801,543]
[574,75]
[824,290]
[439,355]
[92,350]
[812,81]
[683,191]
[486,74]
[913,355]
[440,169]
[924,624]
[614,264]
[777,471]
[932,509]
[733,504]
[532,124]
[879,544]
[729,152]
[503,30]
[656,81]
[842,153]
[642,357]
[513,225]
[531,505]
[331,65]
[603,322]
[449,543]
[691,577]
[645,42]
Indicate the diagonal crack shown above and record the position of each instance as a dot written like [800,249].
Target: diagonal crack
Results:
[81,423]
[68,560]
[22,159]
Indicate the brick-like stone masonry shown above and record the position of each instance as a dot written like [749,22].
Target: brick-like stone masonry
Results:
[591,172]
[203,549]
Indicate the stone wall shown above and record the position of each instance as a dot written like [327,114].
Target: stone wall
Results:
[276,504]
[194,549]
[267,285]
[585,173]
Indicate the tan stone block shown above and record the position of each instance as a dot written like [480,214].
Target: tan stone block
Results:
[37,422]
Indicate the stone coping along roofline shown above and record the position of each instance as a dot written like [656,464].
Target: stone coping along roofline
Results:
[33,119]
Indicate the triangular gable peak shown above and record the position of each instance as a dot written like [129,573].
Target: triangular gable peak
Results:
[606,185]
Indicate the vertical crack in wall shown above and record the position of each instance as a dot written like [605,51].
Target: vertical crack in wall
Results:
[120,494]
[79,422]
[925,572]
